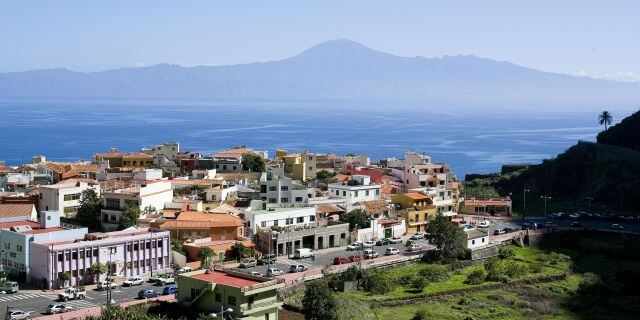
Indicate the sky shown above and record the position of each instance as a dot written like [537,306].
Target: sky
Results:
[594,38]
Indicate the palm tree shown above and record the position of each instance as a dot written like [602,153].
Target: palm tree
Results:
[605,118]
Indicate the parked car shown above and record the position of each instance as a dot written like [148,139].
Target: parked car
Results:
[184,270]
[616,226]
[147,293]
[166,279]
[272,272]
[10,287]
[169,290]
[267,259]
[410,242]
[354,247]
[527,226]
[391,251]
[248,263]
[370,254]
[383,242]
[340,260]
[355,258]
[297,268]
[104,285]
[552,215]
[255,273]
[417,236]
[75,293]
[303,253]
[58,308]
[132,281]
[16,314]
[574,215]
[576,225]
[508,230]
[368,244]
[155,277]
[497,232]
[395,240]
[414,247]
[484,224]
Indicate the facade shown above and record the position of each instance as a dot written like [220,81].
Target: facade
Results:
[249,297]
[417,219]
[300,166]
[476,238]
[491,206]
[316,235]
[137,160]
[260,215]
[276,188]
[219,248]
[147,195]
[358,189]
[195,225]
[411,200]
[168,149]
[64,196]
[382,228]
[130,252]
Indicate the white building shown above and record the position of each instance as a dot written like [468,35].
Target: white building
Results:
[203,174]
[382,228]
[358,189]
[64,196]
[261,216]
[476,238]
[224,193]
[276,188]
[150,196]
[147,175]
[169,149]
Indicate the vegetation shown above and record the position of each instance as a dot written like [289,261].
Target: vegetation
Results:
[324,175]
[476,277]
[89,211]
[479,188]
[605,119]
[319,302]
[204,254]
[239,251]
[357,219]
[191,190]
[176,245]
[377,282]
[130,215]
[624,134]
[447,238]
[97,269]
[252,163]
[435,273]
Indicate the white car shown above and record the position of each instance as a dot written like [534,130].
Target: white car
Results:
[103,285]
[166,279]
[353,247]
[395,240]
[414,247]
[417,236]
[391,251]
[272,272]
[132,281]
[248,263]
[16,314]
[255,273]
[58,308]
[370,254]
[484,224]
[368,244]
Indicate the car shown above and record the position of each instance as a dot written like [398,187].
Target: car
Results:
[272,272]
[340,260]
[508,230]
[549,224]
[383,242]
[16,314]
[166,279]
[169,290]
[75,293]
[370,254]
[58,308]
[576,225]
[255,273]
[574,215]
[526,226]
[247,263]
[395,240]
[414,247]
[298,268]
[9,287]
[354,247]
[184,270]
[417,236]
[616,226]
[355,258]
[153,278]
[391,251]
[267,259]
[497,232]
[552,215]
[303,253]
[104,285]
[132,281]
[147,293]
[484,224]
[368,244]
[410,242]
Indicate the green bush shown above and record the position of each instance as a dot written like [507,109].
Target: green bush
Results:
[590,283]
[419,283]
[506,253]
[377,282]
[435,273]
[494,269]
[420,315]
[405,279]
[476,277]
[514,269]
[535,267]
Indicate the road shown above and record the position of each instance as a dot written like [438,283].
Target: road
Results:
[501,223]
[37,301]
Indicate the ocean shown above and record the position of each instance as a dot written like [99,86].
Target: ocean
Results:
[476,141]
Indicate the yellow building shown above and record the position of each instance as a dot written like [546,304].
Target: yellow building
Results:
[301,166]
[455,195]
[411,200]
[137,160]
[417,219]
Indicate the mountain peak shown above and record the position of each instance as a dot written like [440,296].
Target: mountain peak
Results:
[340,48]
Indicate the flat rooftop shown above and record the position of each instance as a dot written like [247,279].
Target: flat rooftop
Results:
[223,278]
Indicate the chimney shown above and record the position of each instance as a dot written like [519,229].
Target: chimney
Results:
[49,219]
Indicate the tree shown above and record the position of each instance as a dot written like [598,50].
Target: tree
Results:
[64,277]
[89,211]
[239,251]
[130,215]
[476,277]
[421,315]
[435,273]
[605,119]
[318,302]
[419,283]
[252,162]
[204,254]
[356,218]
[377,282]
[176,246]
[494,269]
[97,269]
[324,175]
[446,237]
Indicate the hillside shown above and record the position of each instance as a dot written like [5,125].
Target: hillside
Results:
[333,70]
[625,134]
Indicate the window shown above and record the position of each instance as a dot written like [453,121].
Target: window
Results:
[95,252]
[337,192]
[482,239]
[232,300]
[19,248]
[284,188]
[67,256]
[224,167]
[136,246]
[70,209]
[366,193]
[273,188]
[218,297]
[356,193]
[154,244]
[289,221]
[135,264]
[74,255]
[263,224]
[129,246]
[113,203]
[273,200]
[298,199]
[285,200]
[312,218]
[275,223]
[113,217]
[473,242]
[300,220]
[81,254]
[160,243]
[7,245]
[147,245]
[74,273]
[377,191]
[70,197]
[344,193]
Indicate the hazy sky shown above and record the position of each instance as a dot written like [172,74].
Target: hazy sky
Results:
[597,38]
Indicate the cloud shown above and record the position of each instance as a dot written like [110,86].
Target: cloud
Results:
[140,65]
[624,76]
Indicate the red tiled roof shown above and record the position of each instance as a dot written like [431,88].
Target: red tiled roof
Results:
[225,279]
[416,196]
[15,210]
[327,208]
[486,202]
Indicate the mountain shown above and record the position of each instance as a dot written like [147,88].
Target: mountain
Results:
[333,70]
[624,134]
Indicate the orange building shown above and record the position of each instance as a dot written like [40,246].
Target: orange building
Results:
[196,224]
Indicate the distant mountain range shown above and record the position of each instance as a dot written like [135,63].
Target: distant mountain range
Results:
[333,70]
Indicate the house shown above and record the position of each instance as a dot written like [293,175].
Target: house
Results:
[219,247]
[358,189]
[411,200]
[476,238]
[224,193]
[382,228]
[116,159]
[64,170]
[418,218]
[130,252]
[487,206]
[10,212]
[65,196]
[300,166]
[260,215]
[150,196]
[244,296]
[168,149]
[276,188]
[374,208]
[195,225]
[16,238]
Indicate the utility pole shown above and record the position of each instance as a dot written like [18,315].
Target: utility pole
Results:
[524,197]
[545,197]
[589,208]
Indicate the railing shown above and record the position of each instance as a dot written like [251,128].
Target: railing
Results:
[267,303]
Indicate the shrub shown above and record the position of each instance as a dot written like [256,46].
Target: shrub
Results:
[514,269]
[535,267]
[405,279]
[505,279]
[590,283]
[420,315]
[506,253]
[435,273]
[419,283]
[377,282]
[494,269]
[476,277]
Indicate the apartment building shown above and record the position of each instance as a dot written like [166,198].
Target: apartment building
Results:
[358,189]
[487,206]
[195,225]
[148,195]
[130,252]
[65,196]
[276,188]
[300,166]
[168,149]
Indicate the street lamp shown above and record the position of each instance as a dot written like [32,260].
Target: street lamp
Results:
[589,200]
[524,194]
[545,197]
[222,311]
